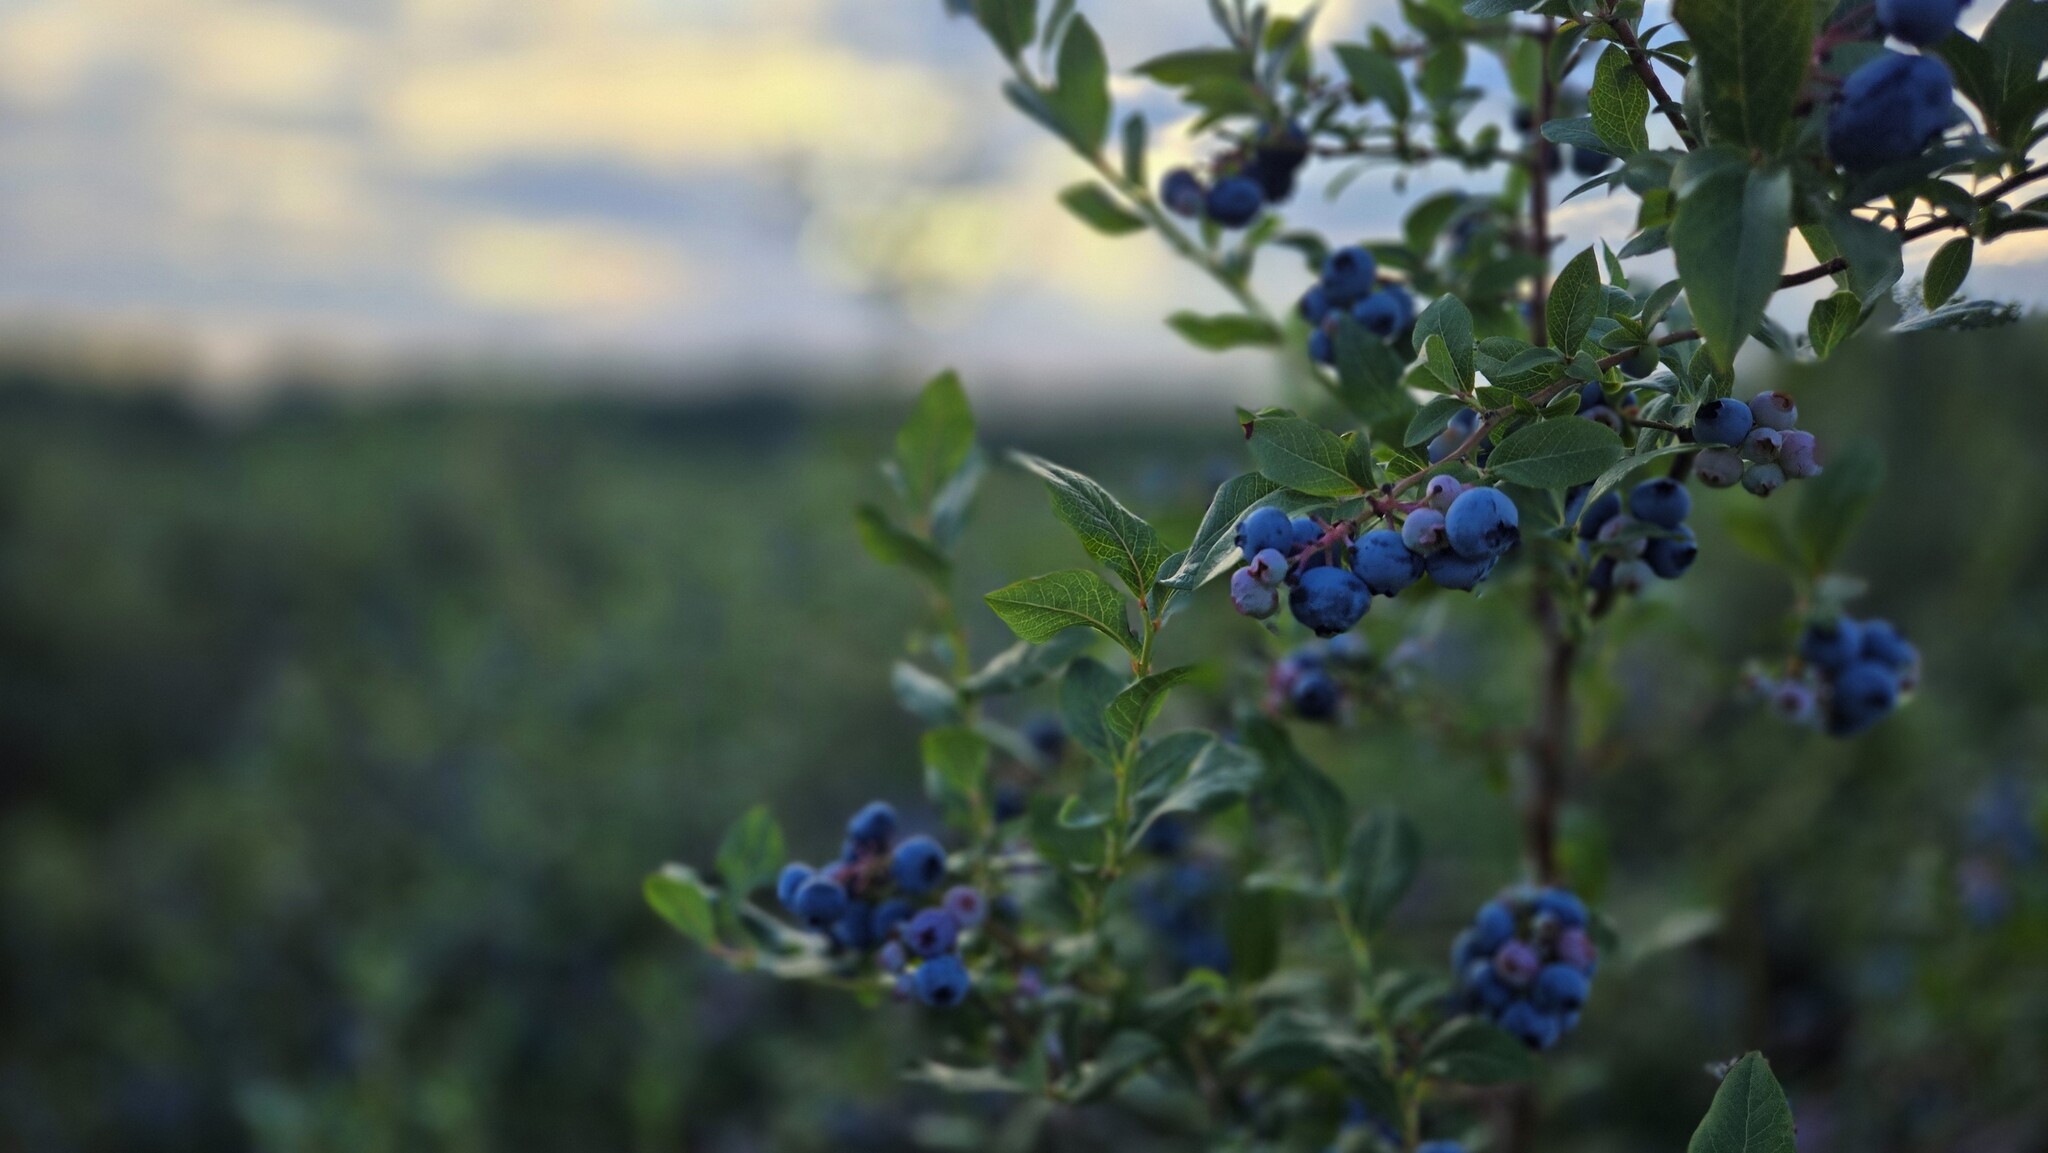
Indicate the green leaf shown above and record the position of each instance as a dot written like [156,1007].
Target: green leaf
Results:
[1555,453]
[1574,301]
[1181,69]
[1488,9]
[1577,131]
[1252,926]
[1220,775]
[1833,320]
[1039,608]
[1098,209]
[934,443]
[1946,271]
[1128,1051]
[955,763]
[1080,95]
[1874,253]
[1214,551]
[1375,76]
[1620,104]
[1011,24]
[1023,665]
[1224,332]
[1379,865]
[1729,239]
[1369,376]
[683,901]
[1447,317]
[1135,132]
[1627,466]
[954,1079]
[751,853]
[1432,419]
[1749,1113]
[1135,707]
[1110,532]
[923,695]
[2001,72]
[1301,455]
[1468,1051]
[1085,694]
[892,545]
[1831,504]
[1301,788]
[1752,57]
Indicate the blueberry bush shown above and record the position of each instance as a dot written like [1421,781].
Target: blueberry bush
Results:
[1189,923]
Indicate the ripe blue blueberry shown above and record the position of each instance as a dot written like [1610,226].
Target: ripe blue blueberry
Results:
[1182,193]
[1045,734]
[1493,926]
[1315,305]
[1263,529]
[1575,948]
[1166,836]
[941,982]
[1830,645]
[1387,313]
[1385,563]
[1349,275]
[1670,556]
[789,881]
[1320,348]
[1560,989]
[1598,514]
[1891,109]
[1722,422]
[888,915]
[1483,523]
[1763,479]
[1235,201]
[1590,162]
[1423,531]
[1526,1023]
[1920,22]
[1794,701]
[873,827]
[1563,904]
[1009,802]
[1863,694]
[1774,410]
[1798,455]
[1251,596]
[1484,986]
[1454,435]
[1313,696]
[918,864]
[966,904]
[1329,600]
[1459,573]
[1662,502]
[892,958]
[1883,644]
[931,932]
[855,928]
[820,901]
[1718,467]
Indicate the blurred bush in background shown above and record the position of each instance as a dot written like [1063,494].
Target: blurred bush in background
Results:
[338,737]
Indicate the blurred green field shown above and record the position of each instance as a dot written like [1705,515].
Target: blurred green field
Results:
[338,737]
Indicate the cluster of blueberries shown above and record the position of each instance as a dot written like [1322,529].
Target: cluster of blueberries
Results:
[1304,682]
[866,901]
[1259,174]
[1855,672]
[1527,963]
[1455,536]
[1757,445]
[1894,106]
[1350,286]
[1649,539]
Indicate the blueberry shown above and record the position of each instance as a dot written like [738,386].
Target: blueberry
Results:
[1385,563]
[1830,645]
[1278,160]
[1386,314]
[1320,348]
[1718,467]
[1046,736]
[1439,1147]
[1600,578]
[1442,491]
[1622,537]
[1517,963]
[855,928]
[1592,394]
[1763,479]
[1251,597]
[1575,948]
[1597,517]
[1919,22]
[1314,696]
[1590,162]
[918,864]
[1466,948]
[1560,989]
[941,982]
[1494,924]
[1315,305]
[1182,193]
[1484,986]
[888,916]
[820,902]
[1564,905]
[873,827]
[1262,529]
[1269,568]
[1349,275]
[891,957]
[1891,108]
[791,879]
[1483,523]
[1167,836]
[1235,201]
[931,932]
[1883,644]
[1527,1024]
[1454,435]
[1662,502]
[1722,422]
[1762,445]
[966,904]
[1863,694]
[1350,651]
[1459,573]
[1641,363]
[1670,556]
[1798,455]
[1793,700]
[1632,576]
[1329,600]
[1774,410]
[1009,802]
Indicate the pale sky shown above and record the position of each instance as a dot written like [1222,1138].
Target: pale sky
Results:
[683,184]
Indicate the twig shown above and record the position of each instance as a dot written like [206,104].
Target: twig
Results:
[1625,35]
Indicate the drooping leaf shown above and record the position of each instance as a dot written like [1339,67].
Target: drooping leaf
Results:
[1023,665]
[1749,1113]
[890,544]
[1379,864]
[934,443]
[1752,58]
[1575,298]
[1301,455]
[683,901]
[1729,239]
[1112,534]
[1214,550]
[1080,94]
[1135,707]
[1224,332]
[1555,453]
[752,851]
[1039,608]
[1095,207]
[1469,1051]
[1947,270]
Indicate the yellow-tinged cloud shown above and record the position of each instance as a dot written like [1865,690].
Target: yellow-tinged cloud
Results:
[669,102]
[525,266]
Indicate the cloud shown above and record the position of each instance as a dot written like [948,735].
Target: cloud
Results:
[514,265]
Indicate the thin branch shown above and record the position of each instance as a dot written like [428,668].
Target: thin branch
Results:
[1996,193]
[1625,35]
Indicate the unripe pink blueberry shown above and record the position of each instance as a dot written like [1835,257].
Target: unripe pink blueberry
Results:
[1763,479]
[1799,456]
[1424,531]
[1774,410]
[1793,700]
[1633,576]
[1269,568]
[1442,491]
[1718,467]
[1610,536]
[1253,598]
